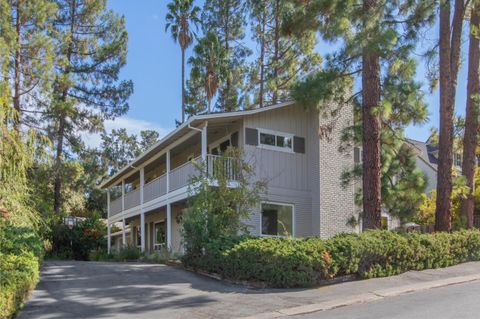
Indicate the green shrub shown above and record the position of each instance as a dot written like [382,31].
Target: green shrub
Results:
[288,262]
[20,256]
[128,253]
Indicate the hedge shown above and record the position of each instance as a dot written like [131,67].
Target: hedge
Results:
[20,255]
[288,262]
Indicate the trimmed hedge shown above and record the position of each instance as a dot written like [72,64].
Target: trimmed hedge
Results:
[288,262]
[21,251]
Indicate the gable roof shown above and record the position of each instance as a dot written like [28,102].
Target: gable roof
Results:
[425,152]
[183,129]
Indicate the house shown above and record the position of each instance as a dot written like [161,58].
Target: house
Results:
[281,142]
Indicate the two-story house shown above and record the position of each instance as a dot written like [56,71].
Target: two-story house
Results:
[304,196]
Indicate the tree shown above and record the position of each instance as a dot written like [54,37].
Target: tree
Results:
[208,66]
[181,15]
[374,41]
[449,46]
[91,44]
[470,140]
[282,59]
[30,54]
[226,19]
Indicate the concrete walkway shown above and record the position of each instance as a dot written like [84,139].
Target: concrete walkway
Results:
[71,289]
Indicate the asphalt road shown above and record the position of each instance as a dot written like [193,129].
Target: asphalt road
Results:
[451,302]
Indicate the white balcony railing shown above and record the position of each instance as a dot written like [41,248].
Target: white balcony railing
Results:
[132,199]
[155,188]
[178,178]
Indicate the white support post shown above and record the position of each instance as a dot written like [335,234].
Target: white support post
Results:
[123,195]
[142,213]
[124,238]
[168,170]
[109,239]
[204,142]
[108,204]
[169,226]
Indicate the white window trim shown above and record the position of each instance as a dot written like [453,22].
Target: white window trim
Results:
[279,204]
[275,148]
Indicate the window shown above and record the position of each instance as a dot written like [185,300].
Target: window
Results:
[457,159]
[276,140]
[218,148]
[160,233]
[277,219]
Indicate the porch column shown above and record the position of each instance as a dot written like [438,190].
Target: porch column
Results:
[169,226]
[142,213]
[204,141]
[123,195]
[124,238]
[167,155]
[109,239]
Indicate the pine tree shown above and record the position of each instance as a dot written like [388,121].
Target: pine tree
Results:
[470,140]
[226,19]
[282,59]
[374,40]
[91,44]
[25,25]
[449,46]
[181,16]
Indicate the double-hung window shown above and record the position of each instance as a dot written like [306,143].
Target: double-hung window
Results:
[275,140]
[277,219]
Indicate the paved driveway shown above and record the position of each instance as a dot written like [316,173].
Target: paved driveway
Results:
[74,289]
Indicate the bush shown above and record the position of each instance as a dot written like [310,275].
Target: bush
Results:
[288,262]
[128,253]
[20,256]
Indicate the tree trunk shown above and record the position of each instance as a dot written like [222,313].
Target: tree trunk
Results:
[276,52]
[449,47]
[470,139]
[183,84]
[57,189]
[371,134]
[262,59]
[17,75]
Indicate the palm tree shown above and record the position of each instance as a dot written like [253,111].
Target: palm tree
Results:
[209,65]
[181,14]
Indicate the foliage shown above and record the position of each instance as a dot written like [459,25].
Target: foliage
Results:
[219,210]
[78,242]
[20,256]
[426,211]
[289,262]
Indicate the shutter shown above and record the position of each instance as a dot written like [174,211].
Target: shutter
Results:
[251,136]
[234,139]
[356,155]
[299,144]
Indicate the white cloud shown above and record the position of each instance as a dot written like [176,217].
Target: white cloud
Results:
[133,126]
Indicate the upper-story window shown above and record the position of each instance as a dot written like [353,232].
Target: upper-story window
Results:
[457,159]
[276,140]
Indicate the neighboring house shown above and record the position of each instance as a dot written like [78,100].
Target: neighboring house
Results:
[281,142]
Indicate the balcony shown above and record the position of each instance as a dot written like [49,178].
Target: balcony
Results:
[175,182]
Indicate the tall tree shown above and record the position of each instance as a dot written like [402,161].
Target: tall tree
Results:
[181,15]
[470,139]
[449,46]
[282,60]
[91,44]
[226,18]
[209,66]
[25,25]
[373,36]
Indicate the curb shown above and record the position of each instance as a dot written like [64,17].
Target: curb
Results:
[364,297]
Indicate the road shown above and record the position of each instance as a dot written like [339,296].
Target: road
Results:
[451,302]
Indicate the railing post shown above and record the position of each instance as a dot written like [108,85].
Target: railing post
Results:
[168,170]
[142,213]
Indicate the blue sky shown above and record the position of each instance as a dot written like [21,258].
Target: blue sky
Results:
[154,66]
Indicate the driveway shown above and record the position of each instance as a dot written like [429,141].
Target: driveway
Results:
[75,289]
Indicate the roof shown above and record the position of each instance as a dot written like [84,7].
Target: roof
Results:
[182,130]
[425,152]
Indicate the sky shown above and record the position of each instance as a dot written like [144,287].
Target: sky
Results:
[154,65]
